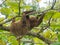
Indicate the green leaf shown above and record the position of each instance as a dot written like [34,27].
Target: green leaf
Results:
[58,37]
[5,11]
[12,40]
[57,15]
[56,43]
[49,14]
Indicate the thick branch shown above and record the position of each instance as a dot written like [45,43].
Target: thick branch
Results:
[40,37]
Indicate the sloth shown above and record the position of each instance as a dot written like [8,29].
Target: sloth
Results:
[23,26]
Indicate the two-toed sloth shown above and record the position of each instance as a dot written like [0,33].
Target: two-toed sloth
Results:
[23,26]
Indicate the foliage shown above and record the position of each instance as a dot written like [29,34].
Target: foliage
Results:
[11,8]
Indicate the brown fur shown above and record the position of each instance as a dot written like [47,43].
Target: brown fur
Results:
[23,26]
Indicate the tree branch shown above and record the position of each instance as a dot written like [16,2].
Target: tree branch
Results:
[53,4]
[19,7]
[40,37]
[3,2]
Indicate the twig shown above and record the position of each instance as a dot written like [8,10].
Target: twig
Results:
[19,7]
[53,4]
[3,2]
[30,42]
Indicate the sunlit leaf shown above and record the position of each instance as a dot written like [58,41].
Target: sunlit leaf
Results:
[38,0]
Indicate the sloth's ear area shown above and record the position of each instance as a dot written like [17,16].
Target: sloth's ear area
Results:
[27,16]
[13,20]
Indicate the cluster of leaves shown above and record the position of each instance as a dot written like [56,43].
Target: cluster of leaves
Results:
[7,39]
